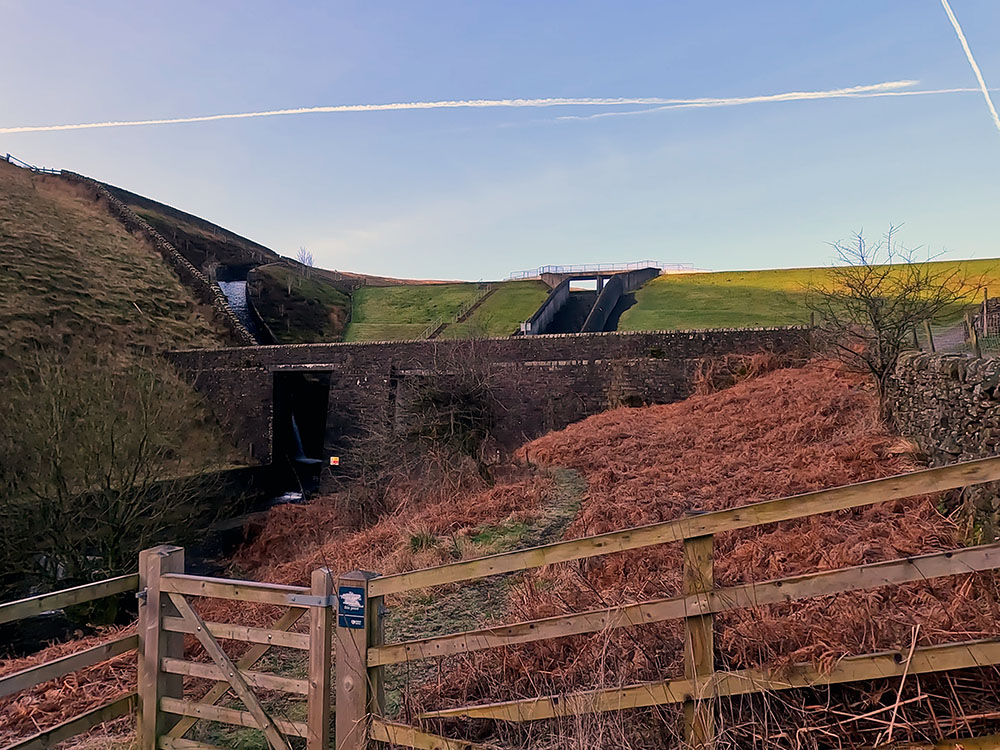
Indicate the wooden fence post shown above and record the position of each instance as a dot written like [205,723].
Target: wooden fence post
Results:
[320,662]
[973,336]
[986,299]
[930,336]
[376,637]
[354,613]
[699,655]
[156,644]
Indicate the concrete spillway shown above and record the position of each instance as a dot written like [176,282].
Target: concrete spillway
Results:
[573,311]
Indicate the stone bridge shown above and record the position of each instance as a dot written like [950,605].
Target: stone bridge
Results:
[544,382]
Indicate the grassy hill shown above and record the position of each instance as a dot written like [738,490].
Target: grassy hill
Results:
[403,312]
[200,241]
[297,305]
[95,428]
[71,272]
[407,311]
[502,312]
[731,299]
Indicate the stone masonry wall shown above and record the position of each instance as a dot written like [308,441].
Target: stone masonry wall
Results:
[205,290]
[544,382]
[949,405]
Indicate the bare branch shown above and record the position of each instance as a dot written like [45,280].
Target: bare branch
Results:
[877,293]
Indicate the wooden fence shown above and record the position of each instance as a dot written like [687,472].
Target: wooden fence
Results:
[50,670]
[347,612]
[697,605]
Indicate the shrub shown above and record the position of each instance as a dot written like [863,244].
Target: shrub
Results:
[101,455]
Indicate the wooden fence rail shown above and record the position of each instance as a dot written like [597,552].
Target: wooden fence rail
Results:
[88,592]
[346,615]
[30,677]
[873,575]
[881,665]
[697,605]
[859,495]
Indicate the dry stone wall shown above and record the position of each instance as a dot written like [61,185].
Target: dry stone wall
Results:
[949,404]
[205,290]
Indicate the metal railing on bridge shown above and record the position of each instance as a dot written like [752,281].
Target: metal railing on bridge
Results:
[534,273]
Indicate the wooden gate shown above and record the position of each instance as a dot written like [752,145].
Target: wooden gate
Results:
[166,615]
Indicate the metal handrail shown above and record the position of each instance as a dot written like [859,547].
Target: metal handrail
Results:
[11,159]
[599,267]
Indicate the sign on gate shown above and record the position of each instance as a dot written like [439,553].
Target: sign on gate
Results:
[351,612]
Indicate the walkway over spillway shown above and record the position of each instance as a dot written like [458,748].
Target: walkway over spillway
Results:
[566,310]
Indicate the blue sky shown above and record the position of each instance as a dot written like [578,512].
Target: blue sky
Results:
[477,193]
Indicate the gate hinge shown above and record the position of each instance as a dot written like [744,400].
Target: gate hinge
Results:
[308,600]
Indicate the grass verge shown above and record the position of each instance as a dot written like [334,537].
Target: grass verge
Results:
[502,313]
[384,313]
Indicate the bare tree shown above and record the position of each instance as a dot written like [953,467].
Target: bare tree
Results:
[870,302]
[305,257]
[101,456]
[442,421]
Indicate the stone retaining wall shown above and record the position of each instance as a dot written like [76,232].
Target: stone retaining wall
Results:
[544,382]
[204,289]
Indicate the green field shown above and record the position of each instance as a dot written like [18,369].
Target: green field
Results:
[738,299]
[388,313]
[502,313]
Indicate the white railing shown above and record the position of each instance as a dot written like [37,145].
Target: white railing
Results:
[602,267]
[10,159]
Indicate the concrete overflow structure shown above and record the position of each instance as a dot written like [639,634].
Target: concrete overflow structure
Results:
[601,306]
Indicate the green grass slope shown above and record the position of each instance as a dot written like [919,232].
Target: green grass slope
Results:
[736,299]
[403,312]
[298,305]
[70,272]
[502,313]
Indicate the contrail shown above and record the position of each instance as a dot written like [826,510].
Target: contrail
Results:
[793,96]
[869,90]
[972,62]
